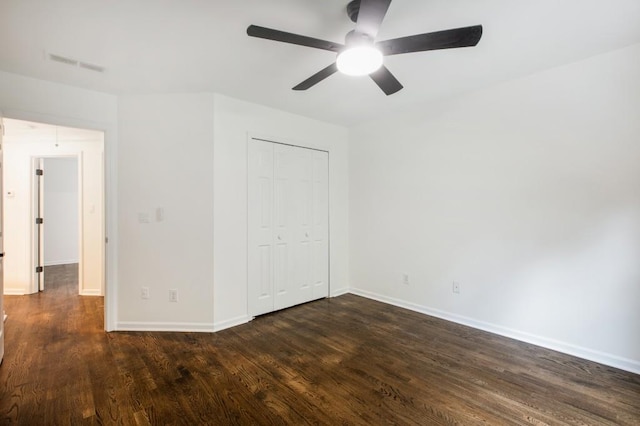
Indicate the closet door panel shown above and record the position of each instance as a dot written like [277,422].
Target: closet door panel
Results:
[320,226]
[288,226]
[284,179]
[260,223]
[303,213]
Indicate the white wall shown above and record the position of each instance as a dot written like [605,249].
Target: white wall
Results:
[42,101]
[234,121]
[187,154]
[527,194]
[163,158]
[19,152]
[61,211]
[165,161]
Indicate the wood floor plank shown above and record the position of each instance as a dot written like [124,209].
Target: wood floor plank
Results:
[346,360]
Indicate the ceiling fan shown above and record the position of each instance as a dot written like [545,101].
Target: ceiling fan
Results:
[361,54]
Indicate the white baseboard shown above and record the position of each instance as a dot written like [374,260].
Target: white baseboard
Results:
[60,262]
[181,326]
[164,326]
[611,360]
[8,291]
[90,292]
[223,325]
[339,292]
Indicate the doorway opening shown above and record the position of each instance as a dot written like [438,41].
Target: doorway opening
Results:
[54,190]
[56,206]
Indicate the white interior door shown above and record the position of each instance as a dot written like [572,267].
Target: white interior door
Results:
[302,223]
[260,223]
[320,225]
[284,196]
[288,226]
[2,314]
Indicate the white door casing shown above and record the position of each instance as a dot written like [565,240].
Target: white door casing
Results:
[288,261]
[2,314]
[38,223]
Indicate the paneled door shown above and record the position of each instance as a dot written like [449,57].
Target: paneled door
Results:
[288,223]
[284,166]
[261,227]
[319,235]
[301,212]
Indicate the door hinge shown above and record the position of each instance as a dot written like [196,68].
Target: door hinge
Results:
[39,221]
[39,269]
[39,172]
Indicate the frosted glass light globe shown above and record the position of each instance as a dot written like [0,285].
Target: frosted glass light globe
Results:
[360,60]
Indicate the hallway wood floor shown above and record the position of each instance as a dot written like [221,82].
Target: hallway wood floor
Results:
[346,360]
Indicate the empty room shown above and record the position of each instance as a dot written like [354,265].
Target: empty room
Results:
[406,212]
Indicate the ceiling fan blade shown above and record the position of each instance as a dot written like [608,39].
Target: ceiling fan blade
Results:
[386,81]
[277,35]
[371,15]
[317,77]
[448,39]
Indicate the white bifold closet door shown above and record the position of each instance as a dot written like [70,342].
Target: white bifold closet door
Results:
[288,226]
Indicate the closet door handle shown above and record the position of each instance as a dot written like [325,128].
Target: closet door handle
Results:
[1,254]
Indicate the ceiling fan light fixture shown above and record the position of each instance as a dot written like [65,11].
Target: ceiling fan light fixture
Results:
[360,54]
[359,60]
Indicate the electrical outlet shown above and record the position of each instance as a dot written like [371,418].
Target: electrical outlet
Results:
[405,279]
[456,287]
[144,292]
[173,295]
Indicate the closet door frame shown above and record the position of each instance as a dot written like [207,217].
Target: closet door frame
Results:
[259,297]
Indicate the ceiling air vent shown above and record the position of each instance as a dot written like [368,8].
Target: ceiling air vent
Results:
[92,67]
[75,63]
[63,59]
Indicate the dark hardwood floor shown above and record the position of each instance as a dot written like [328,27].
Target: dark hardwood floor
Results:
[346,360]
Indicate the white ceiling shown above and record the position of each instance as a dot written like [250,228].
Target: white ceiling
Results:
[150,46]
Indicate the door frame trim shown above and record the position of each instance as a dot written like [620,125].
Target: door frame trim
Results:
[110,195]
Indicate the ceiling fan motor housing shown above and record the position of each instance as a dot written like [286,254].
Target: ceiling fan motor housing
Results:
[355,39]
